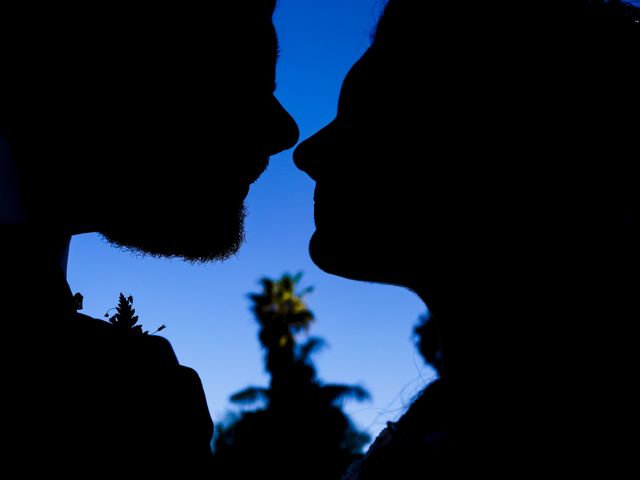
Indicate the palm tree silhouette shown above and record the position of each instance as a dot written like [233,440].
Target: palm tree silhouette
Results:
[301,429]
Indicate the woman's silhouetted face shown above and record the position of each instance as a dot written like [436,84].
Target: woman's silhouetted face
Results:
[406,173]
[461,135]
[371,167]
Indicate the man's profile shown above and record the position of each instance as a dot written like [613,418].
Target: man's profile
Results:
[148,125]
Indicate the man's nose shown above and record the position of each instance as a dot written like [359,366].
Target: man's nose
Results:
[285,132]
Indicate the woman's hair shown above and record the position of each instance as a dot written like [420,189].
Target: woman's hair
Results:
[411,19]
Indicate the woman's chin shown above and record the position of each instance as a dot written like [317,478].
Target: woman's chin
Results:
[353,259]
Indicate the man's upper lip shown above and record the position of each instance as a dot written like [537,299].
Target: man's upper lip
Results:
[259,169]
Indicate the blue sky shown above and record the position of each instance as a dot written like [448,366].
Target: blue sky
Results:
[368,327]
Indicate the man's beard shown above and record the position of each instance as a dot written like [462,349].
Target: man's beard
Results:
[197,240]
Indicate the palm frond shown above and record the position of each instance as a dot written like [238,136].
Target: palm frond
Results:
[337,393]
[311,346]
[250,396]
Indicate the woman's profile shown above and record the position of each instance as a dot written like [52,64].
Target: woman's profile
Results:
[482,157]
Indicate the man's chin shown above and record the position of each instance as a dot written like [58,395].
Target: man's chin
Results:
[197,242]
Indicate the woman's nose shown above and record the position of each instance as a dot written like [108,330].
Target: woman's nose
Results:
[302,157]
[309,154]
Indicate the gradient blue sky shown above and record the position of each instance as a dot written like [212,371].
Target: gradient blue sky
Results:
[368,327]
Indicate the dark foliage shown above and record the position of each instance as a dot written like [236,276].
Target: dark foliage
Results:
[301,431]
[78,301]
[429,342]
[125,318]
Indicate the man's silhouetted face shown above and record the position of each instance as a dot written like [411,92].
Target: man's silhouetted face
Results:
[147,125]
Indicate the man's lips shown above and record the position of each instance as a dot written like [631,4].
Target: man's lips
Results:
[250,175]
[257,170]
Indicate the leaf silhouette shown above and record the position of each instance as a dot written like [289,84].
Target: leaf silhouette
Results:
[250,395]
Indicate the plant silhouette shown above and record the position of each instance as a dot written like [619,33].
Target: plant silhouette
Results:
[78,301]
[299,428]
[428,342]
[125,318]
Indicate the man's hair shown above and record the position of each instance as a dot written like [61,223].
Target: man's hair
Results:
[57,50]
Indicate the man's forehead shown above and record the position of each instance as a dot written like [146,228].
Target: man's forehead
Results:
[261,7]
[238,33]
